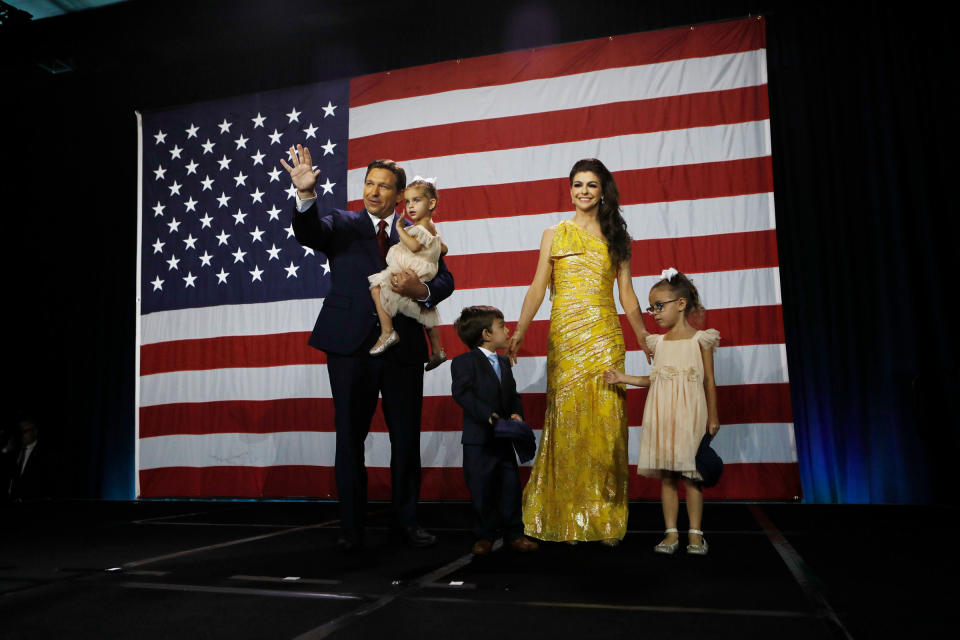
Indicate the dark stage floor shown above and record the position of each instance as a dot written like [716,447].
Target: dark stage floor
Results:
[272,570]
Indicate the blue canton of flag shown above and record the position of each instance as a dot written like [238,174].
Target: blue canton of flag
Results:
[218,205]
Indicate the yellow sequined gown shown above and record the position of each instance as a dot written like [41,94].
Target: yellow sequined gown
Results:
[578,485]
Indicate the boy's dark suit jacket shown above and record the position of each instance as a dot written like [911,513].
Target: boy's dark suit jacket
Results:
[475,388]
[346,328]
[489,463]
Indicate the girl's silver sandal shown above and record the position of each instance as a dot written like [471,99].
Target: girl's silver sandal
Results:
[698,549]
[668,548]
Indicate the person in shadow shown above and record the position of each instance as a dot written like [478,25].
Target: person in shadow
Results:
[26,472]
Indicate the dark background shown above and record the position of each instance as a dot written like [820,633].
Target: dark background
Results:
[861,121]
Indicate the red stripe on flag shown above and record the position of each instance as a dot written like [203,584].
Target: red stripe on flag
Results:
[751,481]
[638,186]
[566,59]
[737,326]
[740,404]
[692,254]
[567,125]
[231,351]
[744,481]
[237,416]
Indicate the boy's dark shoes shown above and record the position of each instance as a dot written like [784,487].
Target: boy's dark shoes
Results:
[523,544]
[481,547]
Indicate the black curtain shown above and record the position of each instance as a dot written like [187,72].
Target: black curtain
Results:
[860,118]
[859,122]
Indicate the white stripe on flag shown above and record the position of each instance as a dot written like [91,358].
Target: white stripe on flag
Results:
[742,443]
[658,80]
[695,145]
[749,443]
[718,290]
[658,220]
[231,320]
[746,364]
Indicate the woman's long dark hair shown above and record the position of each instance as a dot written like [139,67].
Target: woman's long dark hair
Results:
[612,224]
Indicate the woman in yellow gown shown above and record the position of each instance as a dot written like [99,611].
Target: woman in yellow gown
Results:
[578,486]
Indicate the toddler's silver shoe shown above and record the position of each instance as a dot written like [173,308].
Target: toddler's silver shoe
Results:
[383,345]
[436,360]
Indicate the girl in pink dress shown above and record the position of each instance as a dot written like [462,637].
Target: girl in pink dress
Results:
[419,249]
[681,405]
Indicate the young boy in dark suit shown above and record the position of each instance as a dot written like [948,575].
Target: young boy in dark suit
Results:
[484,387]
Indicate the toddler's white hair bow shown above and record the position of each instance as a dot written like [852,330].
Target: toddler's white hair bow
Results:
[432,180]
[668,273]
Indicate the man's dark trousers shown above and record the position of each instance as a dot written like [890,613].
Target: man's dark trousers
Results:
[356,381]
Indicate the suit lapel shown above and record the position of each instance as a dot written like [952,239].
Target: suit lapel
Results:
[485,365]
[369,235]
[394,234]
[504,368]
[362,222]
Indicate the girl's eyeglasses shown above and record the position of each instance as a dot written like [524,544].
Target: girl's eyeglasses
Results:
[658,306]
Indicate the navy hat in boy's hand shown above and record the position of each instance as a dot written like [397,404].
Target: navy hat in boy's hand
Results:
[524,443]
[709,463]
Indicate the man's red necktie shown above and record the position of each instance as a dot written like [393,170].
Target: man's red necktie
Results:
[382,239]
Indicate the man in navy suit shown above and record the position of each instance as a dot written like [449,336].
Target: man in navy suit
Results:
[484,387]
[356,243]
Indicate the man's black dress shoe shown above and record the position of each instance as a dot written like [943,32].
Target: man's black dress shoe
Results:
[415,536]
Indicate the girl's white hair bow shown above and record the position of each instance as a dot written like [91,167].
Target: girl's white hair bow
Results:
[432,180]
[668,273]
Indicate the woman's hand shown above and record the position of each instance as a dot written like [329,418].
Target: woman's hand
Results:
[513,347]
[713,426]
[534,295]
[642,338]
[631,307]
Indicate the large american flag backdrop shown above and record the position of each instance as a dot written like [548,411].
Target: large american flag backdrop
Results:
[232,401]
